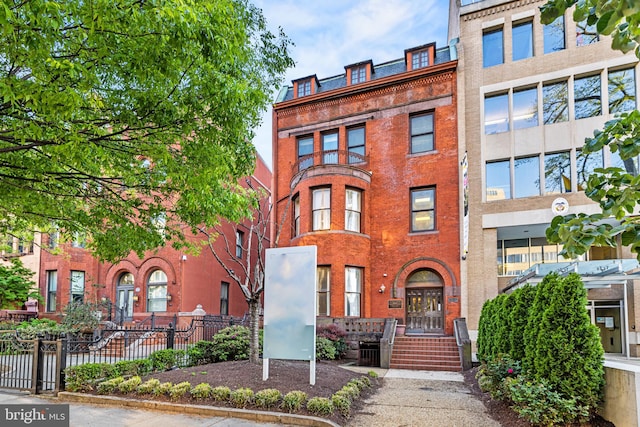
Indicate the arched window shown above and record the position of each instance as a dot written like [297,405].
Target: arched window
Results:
[126,279]
[157,291]
[424,278]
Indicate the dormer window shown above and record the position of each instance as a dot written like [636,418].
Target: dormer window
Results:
[420,57]
[358,74]
[304,88]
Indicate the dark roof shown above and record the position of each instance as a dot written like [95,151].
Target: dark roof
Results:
[379,71]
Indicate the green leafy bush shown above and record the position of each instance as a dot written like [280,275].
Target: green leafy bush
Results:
[241,397]
[38,327]
[351,390]
[230,343]
[267,398]
[133,367]
[162,389]
[84,377]
[372,374]
[492,373]
[201,391]
[80,316]
[336,335]
[179,390]
[325,349]
[163,360]
[293,401]
[321,406]
[109,386]
[341,403]
[129,385]
[148,386]
[221,393]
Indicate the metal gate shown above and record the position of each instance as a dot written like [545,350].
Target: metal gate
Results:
[35,365]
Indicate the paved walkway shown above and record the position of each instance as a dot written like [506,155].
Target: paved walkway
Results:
[407,398]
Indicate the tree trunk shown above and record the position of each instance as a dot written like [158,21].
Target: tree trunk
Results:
[254,326]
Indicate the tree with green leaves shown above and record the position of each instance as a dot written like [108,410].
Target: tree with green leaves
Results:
[130,121]
[16,285]
[615,189]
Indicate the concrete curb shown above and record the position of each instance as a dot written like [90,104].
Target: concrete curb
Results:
[204,410]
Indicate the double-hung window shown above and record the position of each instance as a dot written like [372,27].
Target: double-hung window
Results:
[330,148]
[352,291]
[224,298]
[305,152]
[322,208]
[323,290]
[157,291]
[355,144]
[422,133]
[77,286]
[353,208]
[239,243]
[423,207]
[52,289]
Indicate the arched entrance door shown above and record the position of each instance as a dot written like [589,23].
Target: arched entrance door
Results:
[124,298]
[425,310]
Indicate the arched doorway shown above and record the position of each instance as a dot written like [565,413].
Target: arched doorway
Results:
[425,310]
[124,298]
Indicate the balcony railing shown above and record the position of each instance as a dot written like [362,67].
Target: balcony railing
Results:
[330,157]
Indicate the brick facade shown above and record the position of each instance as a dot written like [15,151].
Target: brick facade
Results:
[385,248]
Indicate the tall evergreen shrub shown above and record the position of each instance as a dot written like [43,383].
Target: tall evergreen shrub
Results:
[519,317]
[540,302]
[569,353]
[502,324]
[484,328]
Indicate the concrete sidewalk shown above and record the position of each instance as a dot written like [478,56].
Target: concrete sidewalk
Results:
[406,398]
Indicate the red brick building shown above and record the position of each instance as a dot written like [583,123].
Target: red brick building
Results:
[164,282]
[366,167]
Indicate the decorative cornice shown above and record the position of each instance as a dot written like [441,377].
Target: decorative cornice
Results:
[498,9]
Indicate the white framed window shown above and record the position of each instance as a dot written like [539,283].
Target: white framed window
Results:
[157,291]
[330,148]
[224,298]
[352,209]
[239,243]
[323,291]
[77,286]
[305,152]
[321,208]
[423,206]
[52,290]
[352,291]
[421,133]
[356,144]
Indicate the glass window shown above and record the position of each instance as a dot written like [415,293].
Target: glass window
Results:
[305,152]
[492,48]
[239,243]
[353,207]
[321,209]
[323,283]
[355,144]
[587,102]
[585,34]
[77,286]
[330,148]
[224,298]
[79,240]
[53,239]
[585,165]
[296,215]
[358,74]
[514,256]
[423,206]
[630,165]
[419,59]
[526,177]
[498,180]
[525,108]
[52,289]
[157,291]
[555,102]
[522,40]
[496,114]
[352,289]
[422,133]
[553,35]
[304,88]
[557,173]
[622,90]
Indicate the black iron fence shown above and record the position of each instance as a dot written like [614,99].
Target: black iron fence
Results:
[38,364]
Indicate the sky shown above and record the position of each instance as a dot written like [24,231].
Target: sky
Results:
[329,34]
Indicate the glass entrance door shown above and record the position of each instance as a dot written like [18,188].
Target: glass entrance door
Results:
[424,310]
[607,316]
[124,303]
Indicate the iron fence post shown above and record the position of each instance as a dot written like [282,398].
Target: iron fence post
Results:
[171,332]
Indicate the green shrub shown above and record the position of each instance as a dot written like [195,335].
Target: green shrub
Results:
[148,386]
[336,335]
[201,391]
[129,385]
[483,342]
[241,397]
[341,403]
[492,373]
[163,360]
[372,374]
[267,398]
[231,343]
[293,401]
[361,383]
[84,377]
[539,404]
[133,367]
[325,349]
[38,327]
[162,389]
[109,386]
[519,317]
[201,353]
[320,406]
[351,390]
[221,393]
[80,316]
[179,390]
